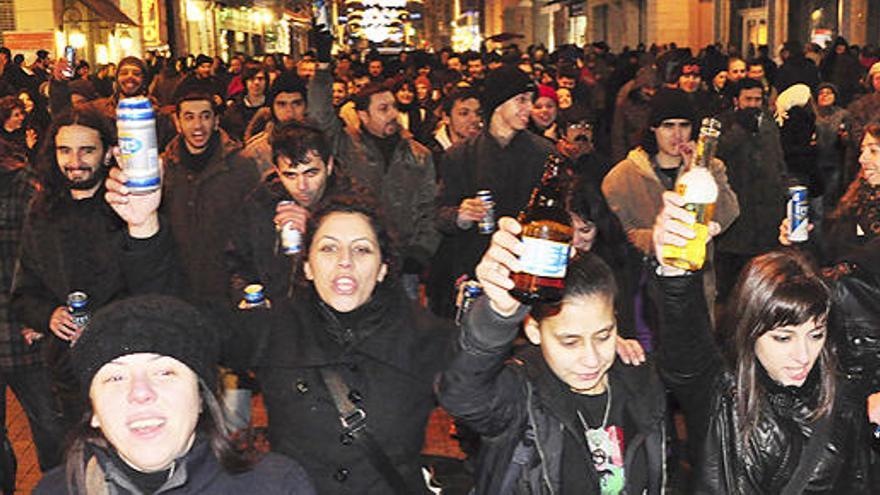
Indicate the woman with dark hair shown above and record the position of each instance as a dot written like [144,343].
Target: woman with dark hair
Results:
[856,220]
[347,365]
[773,417]
[153,422]
[413,117]
[36,115]
[562,415]
[12,130]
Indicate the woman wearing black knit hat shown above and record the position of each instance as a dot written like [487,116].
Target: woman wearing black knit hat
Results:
[154,423]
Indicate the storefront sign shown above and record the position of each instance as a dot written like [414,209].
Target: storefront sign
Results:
[27,41]
[150,22]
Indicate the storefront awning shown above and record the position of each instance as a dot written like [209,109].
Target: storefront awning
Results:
[108,11]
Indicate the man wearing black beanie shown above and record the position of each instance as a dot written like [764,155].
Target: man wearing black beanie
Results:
[505,159]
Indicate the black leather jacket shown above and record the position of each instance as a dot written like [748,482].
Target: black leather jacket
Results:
[693,368]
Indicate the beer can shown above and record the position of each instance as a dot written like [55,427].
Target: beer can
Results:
[289,237]
[486,225]
[470,291]
[798,214]
[77,307]
[138,146]
[254,297]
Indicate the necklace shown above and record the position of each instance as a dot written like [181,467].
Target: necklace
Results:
[604,417]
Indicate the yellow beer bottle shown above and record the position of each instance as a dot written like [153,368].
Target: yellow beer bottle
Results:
[697,185]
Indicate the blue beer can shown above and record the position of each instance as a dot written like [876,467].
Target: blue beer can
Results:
[798,214]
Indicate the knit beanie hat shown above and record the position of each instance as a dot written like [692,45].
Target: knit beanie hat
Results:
[151,324]
[503,84]
[547,92]
[832,87]
[671,104]
[203,59]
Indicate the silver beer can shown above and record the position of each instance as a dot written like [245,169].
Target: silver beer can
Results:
[138,146]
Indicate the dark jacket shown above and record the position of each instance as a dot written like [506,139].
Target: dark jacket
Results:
[388,351]
[507,402]
[106,264]
[17,186]
[198,471]
[237,116]
[200,206]
[510,173]
[755,168]
[855,312]
[694,369]
[797,69]
[252,251]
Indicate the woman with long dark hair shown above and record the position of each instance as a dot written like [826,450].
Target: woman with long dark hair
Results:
[771,416]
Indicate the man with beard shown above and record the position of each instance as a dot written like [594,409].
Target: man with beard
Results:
[73,241]
[750,146]
[286,103]
[206,179]
[504,158]
[397,168]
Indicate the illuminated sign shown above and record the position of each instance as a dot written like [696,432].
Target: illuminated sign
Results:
[150,22]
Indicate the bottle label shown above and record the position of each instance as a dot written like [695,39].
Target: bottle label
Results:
[544,258]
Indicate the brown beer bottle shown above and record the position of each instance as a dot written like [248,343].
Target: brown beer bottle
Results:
[547,234]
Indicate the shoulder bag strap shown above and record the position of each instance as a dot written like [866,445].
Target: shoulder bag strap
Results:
[809,455]
[354,423]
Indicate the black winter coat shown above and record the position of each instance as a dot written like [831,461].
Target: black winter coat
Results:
[693,368]
[388,351]
[110,267]
[502,400]
[756,168]
[198,471]
[200,206]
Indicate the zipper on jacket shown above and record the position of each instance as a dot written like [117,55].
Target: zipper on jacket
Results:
[529,406]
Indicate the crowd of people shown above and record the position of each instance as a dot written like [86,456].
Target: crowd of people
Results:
[354,333]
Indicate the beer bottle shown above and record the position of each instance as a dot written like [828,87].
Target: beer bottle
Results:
[697,185]
[547,234]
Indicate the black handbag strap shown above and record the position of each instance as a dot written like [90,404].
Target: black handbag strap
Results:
[809,455]
[354,424]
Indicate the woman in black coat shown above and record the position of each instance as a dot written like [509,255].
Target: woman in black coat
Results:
[350,323]
[775,418]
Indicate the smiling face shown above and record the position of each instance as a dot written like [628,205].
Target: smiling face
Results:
[28,102]
[515,112]
[130,79]
[15,120]
[147,406]
[869,159]
[579,342]
[544,112]
[405,95]
[584,233]
[196,122]
[345,261]
[79,151]
[465,120]
[788,353]
[825,97]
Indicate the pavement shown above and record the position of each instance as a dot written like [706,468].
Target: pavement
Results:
[438,442]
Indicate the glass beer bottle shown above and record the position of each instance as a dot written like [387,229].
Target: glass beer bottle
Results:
[547,234]
[697,185]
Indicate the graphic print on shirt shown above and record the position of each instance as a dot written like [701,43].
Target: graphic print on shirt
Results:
[606,448]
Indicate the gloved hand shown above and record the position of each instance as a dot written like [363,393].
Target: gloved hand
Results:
[322,41]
